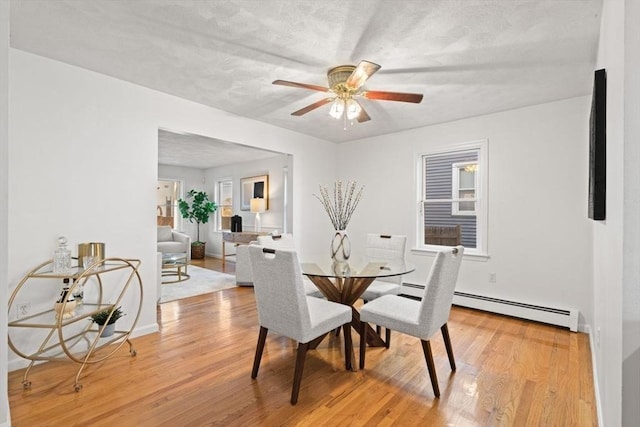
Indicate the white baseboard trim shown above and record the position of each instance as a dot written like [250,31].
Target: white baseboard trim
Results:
[20,363]
[594,370]
[551,315]
[145,330]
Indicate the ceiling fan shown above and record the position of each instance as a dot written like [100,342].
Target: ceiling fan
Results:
[345,86]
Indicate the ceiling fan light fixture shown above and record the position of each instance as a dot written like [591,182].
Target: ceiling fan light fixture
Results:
[337,108]
[353,109]
[345,85]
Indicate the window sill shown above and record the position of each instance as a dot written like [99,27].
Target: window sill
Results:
[476,256]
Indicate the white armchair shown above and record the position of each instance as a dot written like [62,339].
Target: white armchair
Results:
[172,241]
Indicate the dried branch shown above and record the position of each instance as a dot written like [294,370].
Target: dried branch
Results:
[344,203]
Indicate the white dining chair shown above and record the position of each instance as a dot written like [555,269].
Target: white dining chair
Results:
[391,249]
[423,318]
[387,248]
[286,241]
[284,308]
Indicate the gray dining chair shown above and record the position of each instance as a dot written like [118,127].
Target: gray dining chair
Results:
[423,318]
[391,249]
[284,308]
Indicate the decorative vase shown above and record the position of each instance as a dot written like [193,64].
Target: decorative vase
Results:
[340,247]
[108,330]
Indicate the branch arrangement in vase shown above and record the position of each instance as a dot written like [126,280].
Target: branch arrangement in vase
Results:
[344,202]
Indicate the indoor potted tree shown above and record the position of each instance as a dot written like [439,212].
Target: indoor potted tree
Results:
[102,317]
[199,210]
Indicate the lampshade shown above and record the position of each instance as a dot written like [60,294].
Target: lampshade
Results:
[257,205]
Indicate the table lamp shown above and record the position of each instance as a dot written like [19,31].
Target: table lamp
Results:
[257,206]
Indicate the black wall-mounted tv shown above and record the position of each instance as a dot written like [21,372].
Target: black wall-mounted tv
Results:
[598,147]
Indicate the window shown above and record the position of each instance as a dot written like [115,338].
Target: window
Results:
[225,207]
[452,202]
[463,178]
[167,203]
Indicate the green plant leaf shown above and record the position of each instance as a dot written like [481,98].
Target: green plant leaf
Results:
[199,210]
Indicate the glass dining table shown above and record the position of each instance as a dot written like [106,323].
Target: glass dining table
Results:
[345,282]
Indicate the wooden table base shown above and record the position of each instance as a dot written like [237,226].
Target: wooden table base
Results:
[347,290]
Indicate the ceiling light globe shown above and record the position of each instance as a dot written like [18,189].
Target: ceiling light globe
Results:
[337,108]
[353,109]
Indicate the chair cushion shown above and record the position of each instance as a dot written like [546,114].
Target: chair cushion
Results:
[379,288]
[171,247]
[310,289]
[165,235]
[395,312]
[325,316]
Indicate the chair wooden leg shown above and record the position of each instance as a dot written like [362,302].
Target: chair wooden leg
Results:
[348,346]
[297,375]
[363,342]
[426,348]
[387,337]
[447,344]
[262,337]
[337,331]
[378,330]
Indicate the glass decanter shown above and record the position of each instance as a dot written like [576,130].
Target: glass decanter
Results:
[62,257]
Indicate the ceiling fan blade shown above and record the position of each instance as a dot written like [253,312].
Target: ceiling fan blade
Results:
[312,107]
[363,71]
[416,98]
[363,116]
[301,85]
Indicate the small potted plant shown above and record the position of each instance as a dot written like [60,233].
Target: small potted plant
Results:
[199,210]
[101,317]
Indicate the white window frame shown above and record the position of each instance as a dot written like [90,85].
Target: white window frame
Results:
[481,199]
[220,204]
[178,220]
[455,189]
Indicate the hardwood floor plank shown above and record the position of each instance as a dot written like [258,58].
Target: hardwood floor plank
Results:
[196,371]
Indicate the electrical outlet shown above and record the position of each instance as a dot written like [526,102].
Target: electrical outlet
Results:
[24,309]
[492,277]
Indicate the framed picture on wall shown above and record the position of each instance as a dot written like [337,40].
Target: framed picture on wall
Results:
[254,187]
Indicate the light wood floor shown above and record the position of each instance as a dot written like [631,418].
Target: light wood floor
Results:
[196,372]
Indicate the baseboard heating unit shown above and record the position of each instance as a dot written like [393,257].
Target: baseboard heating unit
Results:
[554,316]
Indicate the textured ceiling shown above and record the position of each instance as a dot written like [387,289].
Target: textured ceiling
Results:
[468,57]
[179,149]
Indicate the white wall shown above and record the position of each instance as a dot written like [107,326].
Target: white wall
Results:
[206,180]
[191,178]
[539,236]
[631,248]
[272,219]
[83,163]
[617,240]
[609,234]
[4,184]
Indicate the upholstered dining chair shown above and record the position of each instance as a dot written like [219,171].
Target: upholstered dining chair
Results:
[389,248]
[284,308]
[420,319]
[286,241]
[384,247]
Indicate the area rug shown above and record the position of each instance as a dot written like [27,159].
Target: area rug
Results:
[202,281]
